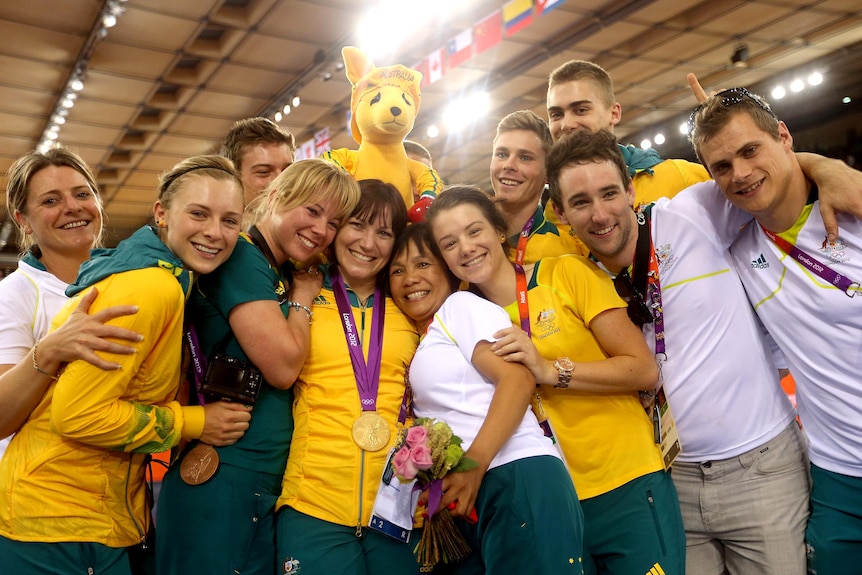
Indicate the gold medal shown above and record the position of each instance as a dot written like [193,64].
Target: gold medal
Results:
[199,464]
[370,431]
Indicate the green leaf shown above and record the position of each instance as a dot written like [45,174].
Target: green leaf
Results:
[466,464]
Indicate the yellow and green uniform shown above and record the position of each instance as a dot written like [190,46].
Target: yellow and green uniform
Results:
[75,470]
[607,438]
[546,240]
[328,476]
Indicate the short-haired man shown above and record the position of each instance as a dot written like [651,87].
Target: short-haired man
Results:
[742,477]
[581,97]
[802,286]
[518,177]
[260,149]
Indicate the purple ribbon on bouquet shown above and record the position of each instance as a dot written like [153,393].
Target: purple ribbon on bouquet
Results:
[435,494]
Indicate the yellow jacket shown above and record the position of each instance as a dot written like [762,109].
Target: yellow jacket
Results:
[75,470]
[328,477]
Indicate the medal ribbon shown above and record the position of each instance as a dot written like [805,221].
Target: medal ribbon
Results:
[521,277]
[367,374]
[199,361]
[842,282]
[654,298]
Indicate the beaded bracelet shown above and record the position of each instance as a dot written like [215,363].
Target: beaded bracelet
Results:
[298,306]
[39,369]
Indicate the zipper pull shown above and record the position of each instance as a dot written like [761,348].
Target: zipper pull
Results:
[359,531]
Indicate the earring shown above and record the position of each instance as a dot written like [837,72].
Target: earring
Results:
[28,230]
[502,239]
[160,223]
[571,232]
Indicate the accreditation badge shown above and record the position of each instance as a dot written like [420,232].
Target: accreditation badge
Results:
[664,427]
[394,505]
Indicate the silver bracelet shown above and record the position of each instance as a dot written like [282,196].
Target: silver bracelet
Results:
[298,306]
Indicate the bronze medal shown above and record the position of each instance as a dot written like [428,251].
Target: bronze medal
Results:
[370,431]
[199,464]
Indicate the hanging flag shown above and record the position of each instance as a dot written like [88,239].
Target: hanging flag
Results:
[322,142]
[421,67]
[543,6]
[435,65]
[459,49]
[489,32]
[517,15]
[305,150]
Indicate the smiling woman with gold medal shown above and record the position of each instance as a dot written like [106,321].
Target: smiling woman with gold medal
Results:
[348,405]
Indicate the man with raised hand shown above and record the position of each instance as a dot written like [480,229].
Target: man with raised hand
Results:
[804,286]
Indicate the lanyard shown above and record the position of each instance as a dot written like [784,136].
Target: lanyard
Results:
[521,277]
[654,295]
[199,361]
[367,374]
[840,281]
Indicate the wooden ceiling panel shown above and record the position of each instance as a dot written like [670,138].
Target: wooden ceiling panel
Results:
[321,24]
[746,19]
[224,105]
[248,80]
[40,44]
[204,127]
[275,54]
[141,179]
[158,162]
[23,101]
[116,88]
[610,37]
[129,61]
[74,133]
[181,146]
[46,15]
[196,9]
[28,73]
[136,27]
[90,111]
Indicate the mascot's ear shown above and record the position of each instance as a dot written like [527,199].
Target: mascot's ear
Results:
[356,64]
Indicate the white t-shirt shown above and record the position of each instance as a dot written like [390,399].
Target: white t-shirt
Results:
[448,388]
[817,327]
[29,299]
[719,376]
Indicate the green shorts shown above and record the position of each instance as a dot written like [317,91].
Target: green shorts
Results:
[62,558]
[311,546]
[635,528]
[530,521]
[834,534]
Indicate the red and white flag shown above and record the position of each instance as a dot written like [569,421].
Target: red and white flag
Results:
[543,6]
[435,65]
[322,141]
[459,49]
[489,32]
[305,151]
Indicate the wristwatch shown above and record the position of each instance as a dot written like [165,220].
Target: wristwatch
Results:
[565,366]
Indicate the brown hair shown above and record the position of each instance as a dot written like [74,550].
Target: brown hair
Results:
[18,182]
[461,194]
[419,235]
[577,70]
[711,116]
[583,147]
[250,131]
[526,120]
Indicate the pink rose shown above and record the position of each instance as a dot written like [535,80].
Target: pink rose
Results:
[420,456]
[404,467]
[416,435]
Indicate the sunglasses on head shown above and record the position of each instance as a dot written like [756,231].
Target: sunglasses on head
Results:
[732,97]
[638,310]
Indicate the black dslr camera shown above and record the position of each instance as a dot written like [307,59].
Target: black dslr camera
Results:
[231,379]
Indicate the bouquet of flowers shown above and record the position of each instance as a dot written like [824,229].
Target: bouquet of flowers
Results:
[428,451]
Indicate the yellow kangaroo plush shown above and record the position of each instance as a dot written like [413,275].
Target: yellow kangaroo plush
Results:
[384,103]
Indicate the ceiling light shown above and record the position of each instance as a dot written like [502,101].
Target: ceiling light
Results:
[286,109]
[846,100]
[797,85]
[659,139]
[278,116]
[646,144]
[463,112]
[58,119]
[433,131]
[109,20]
[76,84]
[295,101]
[52,135]
[778,92]
[815,79]
[67,102]
[325,76]
[683,128]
